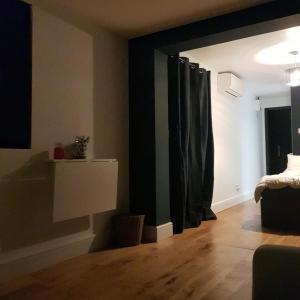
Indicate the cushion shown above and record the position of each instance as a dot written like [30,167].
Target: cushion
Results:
[293,162]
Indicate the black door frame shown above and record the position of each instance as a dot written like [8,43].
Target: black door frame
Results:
[148,94]
[267,110]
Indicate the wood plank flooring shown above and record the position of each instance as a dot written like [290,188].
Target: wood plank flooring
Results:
[212,262]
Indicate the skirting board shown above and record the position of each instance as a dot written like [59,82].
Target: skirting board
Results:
[227,203]
[157,233]
[31,259]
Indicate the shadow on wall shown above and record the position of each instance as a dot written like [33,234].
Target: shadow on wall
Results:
[26,206]
[103,230]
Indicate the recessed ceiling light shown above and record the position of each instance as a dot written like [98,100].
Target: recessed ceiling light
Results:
[279,53]
[276,55]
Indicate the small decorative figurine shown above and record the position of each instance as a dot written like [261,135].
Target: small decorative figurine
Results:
[80,146]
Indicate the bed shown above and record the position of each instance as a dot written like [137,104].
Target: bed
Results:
[280,209]
[279,197]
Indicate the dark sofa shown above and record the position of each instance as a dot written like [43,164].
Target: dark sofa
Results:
[276,273]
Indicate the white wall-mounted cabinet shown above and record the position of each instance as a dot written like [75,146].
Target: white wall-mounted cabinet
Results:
[84,187]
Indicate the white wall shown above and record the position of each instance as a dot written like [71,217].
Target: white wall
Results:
[63,83]
[267,102]
[79,87]
[111,116]
[236,127]
[62,106]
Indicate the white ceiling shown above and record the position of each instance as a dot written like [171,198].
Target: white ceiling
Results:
[240,57]
[132,18]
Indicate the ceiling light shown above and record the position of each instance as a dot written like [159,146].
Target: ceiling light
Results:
[294,73]
[293,76]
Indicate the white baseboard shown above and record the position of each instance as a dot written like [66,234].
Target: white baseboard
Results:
[157,233]
[227,203]
[39,256]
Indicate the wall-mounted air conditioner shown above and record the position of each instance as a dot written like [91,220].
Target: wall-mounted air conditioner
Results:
[230,84]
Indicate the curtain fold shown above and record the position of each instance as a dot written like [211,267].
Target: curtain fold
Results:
[208,158]
[179,129]
[191,144]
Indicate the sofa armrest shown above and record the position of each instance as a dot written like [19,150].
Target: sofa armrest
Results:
[276,273]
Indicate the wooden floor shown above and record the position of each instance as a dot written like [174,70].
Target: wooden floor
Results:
[210,262]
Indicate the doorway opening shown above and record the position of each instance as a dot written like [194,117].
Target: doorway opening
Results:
[149,190]
[278,138]
[251,111]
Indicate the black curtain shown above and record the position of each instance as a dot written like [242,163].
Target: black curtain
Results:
[191,144]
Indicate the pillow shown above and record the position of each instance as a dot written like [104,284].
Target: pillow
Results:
[293,162]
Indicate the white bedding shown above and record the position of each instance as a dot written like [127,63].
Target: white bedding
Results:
[289,178]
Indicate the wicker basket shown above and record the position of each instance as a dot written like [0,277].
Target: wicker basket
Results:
[128,230]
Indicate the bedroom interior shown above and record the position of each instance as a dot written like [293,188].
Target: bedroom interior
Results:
[175,155]
[259,103]
[251,101]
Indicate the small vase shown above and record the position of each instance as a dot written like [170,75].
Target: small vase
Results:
[59,152]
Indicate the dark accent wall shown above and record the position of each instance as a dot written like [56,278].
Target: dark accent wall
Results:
[142,134]
[295,103]
[15,74]
[148,92]
[161,138]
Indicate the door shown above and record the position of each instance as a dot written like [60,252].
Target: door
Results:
[278,138]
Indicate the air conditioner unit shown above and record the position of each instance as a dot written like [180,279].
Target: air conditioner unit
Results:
[230,84]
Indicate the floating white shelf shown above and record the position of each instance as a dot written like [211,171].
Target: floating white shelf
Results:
[83,187]
[81,160]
